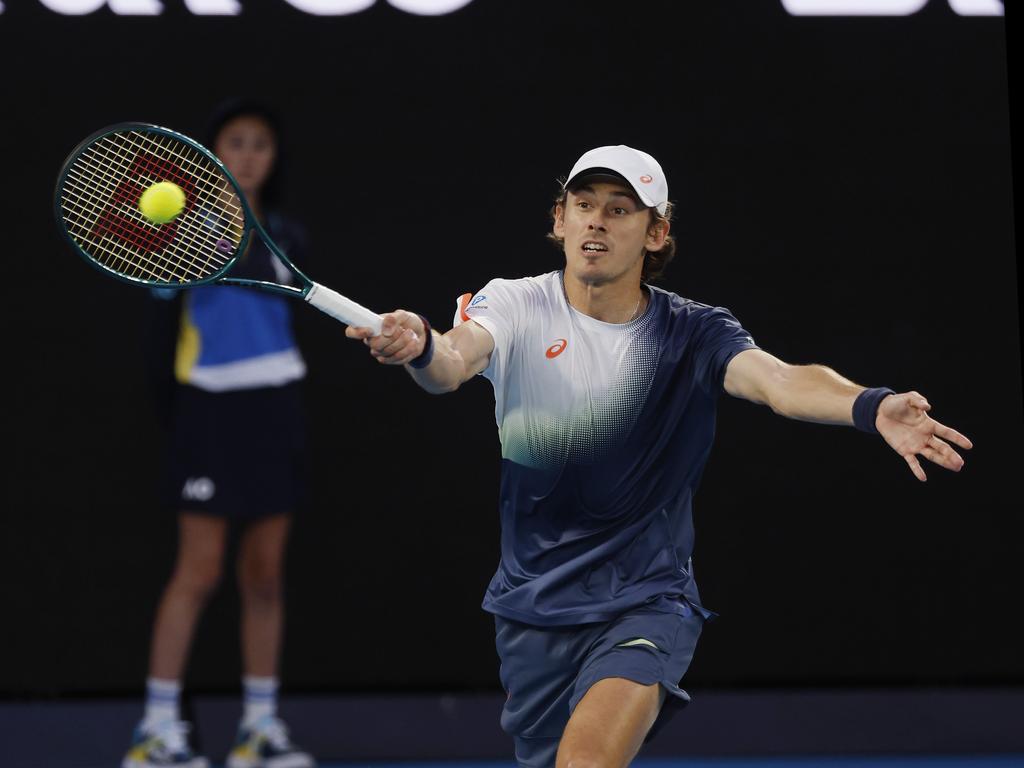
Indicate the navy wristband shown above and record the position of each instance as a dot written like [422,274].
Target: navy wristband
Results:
[423,359]
[865,408]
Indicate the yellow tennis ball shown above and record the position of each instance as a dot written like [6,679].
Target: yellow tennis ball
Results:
[162,202]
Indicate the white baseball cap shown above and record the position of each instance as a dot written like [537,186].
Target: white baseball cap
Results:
[638,169]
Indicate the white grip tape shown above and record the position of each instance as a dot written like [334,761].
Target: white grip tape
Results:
[340,308]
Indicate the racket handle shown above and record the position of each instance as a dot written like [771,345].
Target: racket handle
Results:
[343,309]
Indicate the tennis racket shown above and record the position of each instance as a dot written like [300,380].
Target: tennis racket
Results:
[96,204]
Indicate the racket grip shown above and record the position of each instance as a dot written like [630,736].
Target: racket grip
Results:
[343,309]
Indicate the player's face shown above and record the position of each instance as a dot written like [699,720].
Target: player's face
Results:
[248,148]
[605,230]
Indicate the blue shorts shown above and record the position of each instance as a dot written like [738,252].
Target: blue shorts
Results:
[547,670]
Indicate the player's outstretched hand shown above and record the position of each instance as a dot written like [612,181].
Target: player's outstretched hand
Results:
[401,339]
[904,422]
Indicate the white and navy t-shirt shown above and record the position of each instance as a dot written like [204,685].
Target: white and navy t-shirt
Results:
[605,429]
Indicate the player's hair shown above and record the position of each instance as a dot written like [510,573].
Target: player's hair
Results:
[273,188]
[655,262]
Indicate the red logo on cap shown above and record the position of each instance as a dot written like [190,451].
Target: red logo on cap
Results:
[646,179]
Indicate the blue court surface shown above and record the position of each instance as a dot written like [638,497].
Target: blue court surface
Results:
[832,761]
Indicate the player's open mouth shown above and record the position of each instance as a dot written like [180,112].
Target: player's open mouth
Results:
[592,247]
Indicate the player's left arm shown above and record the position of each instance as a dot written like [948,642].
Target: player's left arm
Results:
[819,394]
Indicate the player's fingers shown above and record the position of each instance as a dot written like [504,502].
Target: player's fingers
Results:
[395,359]
[400,359]
[931,454]
[412,346]
[918,400]
[400,349]
[393,345]
[408,320]
[392,322]
[953,436]
[384,340]
[915,467]
[356,332]
[413,349]
[940,452]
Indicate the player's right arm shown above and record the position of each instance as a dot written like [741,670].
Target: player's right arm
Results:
[457,356]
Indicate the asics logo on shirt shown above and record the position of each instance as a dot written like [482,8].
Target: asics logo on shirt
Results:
[198,489]
[556,349]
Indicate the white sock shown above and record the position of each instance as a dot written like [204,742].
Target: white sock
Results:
[260,698]
[162,698]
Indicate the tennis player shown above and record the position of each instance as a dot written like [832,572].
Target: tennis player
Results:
[605,394]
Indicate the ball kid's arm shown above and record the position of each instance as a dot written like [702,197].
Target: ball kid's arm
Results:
[453,358]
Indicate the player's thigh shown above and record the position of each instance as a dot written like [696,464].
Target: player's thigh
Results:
[609,724]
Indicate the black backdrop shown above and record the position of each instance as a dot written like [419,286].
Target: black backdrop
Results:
[843,185]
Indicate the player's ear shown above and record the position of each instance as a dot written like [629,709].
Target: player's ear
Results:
[657,233]
[559,221]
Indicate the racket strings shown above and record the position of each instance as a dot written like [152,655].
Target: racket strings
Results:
[194,235]
[88,207]
[211,194]
[134,227]
[99,186]
[131,245]
[100,208]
